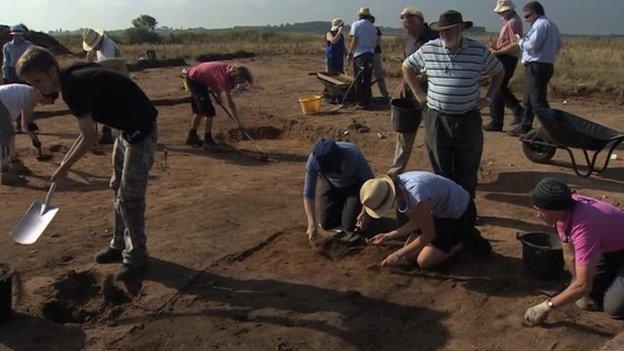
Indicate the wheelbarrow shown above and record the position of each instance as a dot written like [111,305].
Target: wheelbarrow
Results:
[563,130]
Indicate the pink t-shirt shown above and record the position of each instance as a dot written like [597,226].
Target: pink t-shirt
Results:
[593,227]
[213,75]
[508,32]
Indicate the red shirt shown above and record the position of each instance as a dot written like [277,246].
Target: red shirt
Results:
[508,32]
[213,75]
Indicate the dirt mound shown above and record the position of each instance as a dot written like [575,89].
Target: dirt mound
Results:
[227,56]
[78,297]
[257,133]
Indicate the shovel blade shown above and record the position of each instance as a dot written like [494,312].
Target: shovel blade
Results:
[34,223]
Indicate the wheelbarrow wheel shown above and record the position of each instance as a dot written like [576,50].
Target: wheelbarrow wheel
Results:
[536,152]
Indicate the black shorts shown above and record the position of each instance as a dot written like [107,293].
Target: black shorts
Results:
[201,104]
[450,232]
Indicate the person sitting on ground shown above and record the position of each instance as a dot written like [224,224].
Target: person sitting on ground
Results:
[592,232]
[100,48]
[215,78]
[440,210]
[335,47]
[95,94]
[16,100]
[342,169]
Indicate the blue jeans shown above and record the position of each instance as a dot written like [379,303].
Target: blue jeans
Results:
[131,165]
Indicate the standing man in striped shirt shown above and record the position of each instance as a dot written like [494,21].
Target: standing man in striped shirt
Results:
[453,65]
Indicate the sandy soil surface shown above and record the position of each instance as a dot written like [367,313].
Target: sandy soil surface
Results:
[232,268]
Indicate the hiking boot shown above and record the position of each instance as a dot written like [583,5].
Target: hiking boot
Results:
[491,127]
[516,130]
[19,167]
[128,272]
[108,256]
[193,139]
[107,137]
[10,178]
[210,145]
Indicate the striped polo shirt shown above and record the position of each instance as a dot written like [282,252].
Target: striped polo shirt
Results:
[454,80]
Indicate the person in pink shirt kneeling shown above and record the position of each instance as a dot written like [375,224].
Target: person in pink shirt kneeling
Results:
[219,79]
[592,233]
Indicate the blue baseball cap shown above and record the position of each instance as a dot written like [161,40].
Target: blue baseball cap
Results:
[327,155]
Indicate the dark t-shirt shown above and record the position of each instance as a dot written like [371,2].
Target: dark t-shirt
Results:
[109,97]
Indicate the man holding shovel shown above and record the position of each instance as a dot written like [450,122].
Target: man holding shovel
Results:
[16,100]
[94,94]
[219,79]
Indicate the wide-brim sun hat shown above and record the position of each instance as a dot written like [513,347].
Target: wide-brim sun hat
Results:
[365,11]
[17,30]
[91,38]
[504,5]
[450,19]
[336,23]
[378,196]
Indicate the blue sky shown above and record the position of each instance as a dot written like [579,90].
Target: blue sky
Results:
[572,16]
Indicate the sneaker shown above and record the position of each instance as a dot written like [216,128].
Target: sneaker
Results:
[193,139]
[107,137]
[108,256]
[490,127]
[10,178]
[128,272]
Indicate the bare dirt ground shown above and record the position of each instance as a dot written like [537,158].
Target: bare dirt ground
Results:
[232,269]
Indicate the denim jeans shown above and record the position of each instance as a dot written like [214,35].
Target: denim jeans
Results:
[131,165]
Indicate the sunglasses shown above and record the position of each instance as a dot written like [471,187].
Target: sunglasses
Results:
[405,16]
[527,16]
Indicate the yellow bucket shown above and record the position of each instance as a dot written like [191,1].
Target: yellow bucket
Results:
[310,104]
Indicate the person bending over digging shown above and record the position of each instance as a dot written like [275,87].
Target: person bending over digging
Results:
[342,169]
[441,217]
[95,94]
[218,78]
[16,100]
[592,233]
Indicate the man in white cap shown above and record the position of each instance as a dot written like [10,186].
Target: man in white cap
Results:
[11,53]
[417,33]
[507,52]
[362,55]
[99,48]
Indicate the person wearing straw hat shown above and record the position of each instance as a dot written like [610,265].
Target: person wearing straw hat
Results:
[417,33]
[102,49]
[361,54]
[507,53]
[440,210]
[11,52]
[95,94]
[592,235]
[335,47]
[454,65]
[341,169]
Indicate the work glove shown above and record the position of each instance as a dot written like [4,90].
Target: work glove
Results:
[537,314]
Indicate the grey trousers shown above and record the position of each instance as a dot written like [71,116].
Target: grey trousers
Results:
[131,165]
[608,286]
[402,152]
[455,144]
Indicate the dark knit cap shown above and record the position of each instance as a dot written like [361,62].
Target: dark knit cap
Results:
[327,155]
[552,194]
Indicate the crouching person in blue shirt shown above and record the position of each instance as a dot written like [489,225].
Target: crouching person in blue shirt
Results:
[441,217]
[341,169]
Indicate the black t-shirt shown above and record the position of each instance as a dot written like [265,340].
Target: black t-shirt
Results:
[109,97]
[378,47]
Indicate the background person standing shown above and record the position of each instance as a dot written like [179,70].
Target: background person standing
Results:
[507,53]
[11,52]
[540,47]
[362,55]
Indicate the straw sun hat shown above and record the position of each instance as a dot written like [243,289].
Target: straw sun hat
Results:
[378,196]
[91,38]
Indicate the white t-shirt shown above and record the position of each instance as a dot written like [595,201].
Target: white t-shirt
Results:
[14,97]
[107,51]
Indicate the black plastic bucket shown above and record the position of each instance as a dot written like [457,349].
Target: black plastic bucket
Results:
[542,255]
[6,292]
[406,115]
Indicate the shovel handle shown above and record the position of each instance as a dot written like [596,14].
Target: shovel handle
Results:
[50,193]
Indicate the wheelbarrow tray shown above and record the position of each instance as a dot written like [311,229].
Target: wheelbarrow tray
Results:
[339,88]
[567,130]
